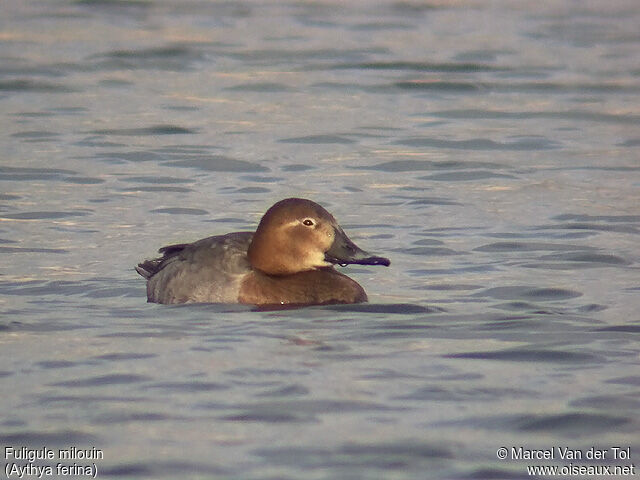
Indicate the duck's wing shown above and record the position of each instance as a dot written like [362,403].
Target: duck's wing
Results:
[185,251]
[203,271]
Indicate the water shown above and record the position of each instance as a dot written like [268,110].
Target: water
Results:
[490,149]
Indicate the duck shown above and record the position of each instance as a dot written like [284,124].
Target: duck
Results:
[288,261]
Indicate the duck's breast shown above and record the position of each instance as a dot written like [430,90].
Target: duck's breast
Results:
[313,287]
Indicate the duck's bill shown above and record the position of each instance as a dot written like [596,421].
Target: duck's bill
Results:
[366,260]
[344,252]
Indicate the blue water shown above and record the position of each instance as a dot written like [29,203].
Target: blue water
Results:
[490,149]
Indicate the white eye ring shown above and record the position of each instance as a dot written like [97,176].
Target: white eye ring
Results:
[307,222]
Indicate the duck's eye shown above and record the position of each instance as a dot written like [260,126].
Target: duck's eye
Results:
[308,222]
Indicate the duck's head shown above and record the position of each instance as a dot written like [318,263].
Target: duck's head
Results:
[296,235]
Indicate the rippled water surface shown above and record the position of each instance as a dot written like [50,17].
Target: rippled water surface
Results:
[490,149]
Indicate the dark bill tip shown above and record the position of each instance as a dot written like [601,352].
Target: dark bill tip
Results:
[358,261]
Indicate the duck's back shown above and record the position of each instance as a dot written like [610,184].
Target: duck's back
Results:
[207,271]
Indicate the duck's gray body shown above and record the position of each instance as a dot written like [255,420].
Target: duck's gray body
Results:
[209,270]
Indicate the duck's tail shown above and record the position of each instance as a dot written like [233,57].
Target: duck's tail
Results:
[149,268]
